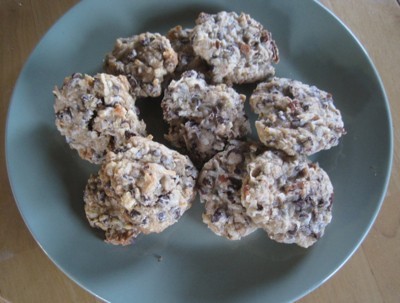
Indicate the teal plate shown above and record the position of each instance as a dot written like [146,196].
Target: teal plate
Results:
[187,262]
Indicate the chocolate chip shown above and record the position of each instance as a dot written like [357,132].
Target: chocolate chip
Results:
[308,199]
[236,184]
[164,199]
[196,100]
[102,196]
[231,196]
[165,160]
[190,73]
[119,150]
[77,76]
[303,215]
[111,143]
[134,213]
[264,37]
[206,181]
[131,56]
[66,112]
[177,213]
[91,121]
[128,134]
[293,230]
[238,171]
[281,115]
[218,214]
[301,174]
[331,198]
[220,120]
[85,98]
[295,123]
[156,153]
[161,216]
[287,92]
[256,172]
[104,219]
[230,50]
[321,202]
[145,41]
[315,235]
[275,56]
[301,204]
[139,154]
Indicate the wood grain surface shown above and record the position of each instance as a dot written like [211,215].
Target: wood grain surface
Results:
[371,275]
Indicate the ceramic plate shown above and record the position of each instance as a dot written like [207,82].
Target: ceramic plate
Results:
[187,262]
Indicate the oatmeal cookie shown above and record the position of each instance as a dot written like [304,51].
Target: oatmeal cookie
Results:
[202,117]
[96,114]
[145,59]
[187,59]
[290,197]
[106,213]
[295,117]
[237,47]
[143,188]
[220,183]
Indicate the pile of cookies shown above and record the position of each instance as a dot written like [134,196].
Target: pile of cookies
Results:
[143,186]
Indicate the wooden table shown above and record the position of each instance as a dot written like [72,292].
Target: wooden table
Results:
[371,275]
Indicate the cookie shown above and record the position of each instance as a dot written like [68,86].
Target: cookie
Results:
[143,188]
[187,59]
[220,183]
[96,114]
[237,47]
[203,118]
[145,60]
[289,197]
[295,117]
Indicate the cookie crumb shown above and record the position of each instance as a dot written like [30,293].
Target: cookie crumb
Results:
[158,257]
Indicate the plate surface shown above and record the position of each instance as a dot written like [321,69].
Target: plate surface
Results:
[187,262]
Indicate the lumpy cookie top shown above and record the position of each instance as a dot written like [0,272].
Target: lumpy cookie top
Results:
[290,197]
[96,114]
[106,213]
[220,183]
[145,185]
[187,59]
[237,47]
[295,117]
[202,117]
[145,59]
